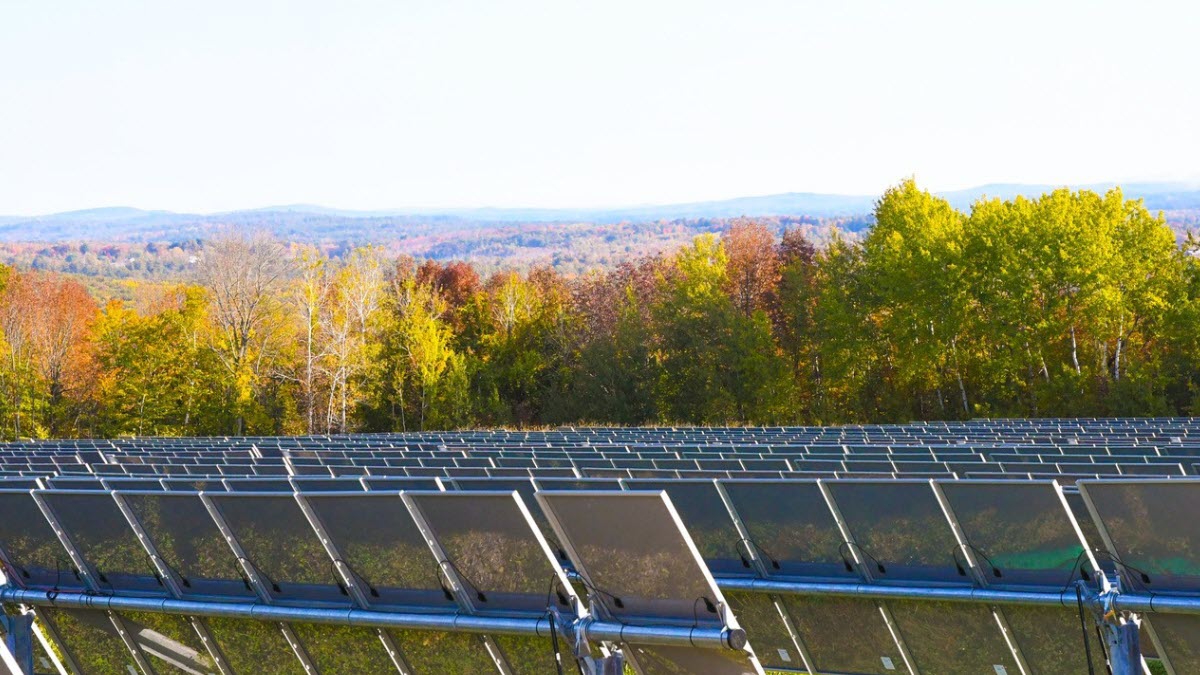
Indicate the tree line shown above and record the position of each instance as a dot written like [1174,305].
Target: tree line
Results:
[1073,303]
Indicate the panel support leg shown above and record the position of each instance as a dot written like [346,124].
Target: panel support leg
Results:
[18,640]
[1120,629]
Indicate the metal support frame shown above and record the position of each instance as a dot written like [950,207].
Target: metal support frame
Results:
[18,642]
[594,630]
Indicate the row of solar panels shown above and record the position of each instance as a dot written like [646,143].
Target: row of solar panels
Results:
[499,553]
[1099,432]
[603,462]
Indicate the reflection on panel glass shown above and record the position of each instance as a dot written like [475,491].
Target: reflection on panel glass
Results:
[1091,534]
[900,529]
[945,637]
[344,650]
[430,653]
[1180,637]
[525,488]
[92,641]
[757,614]
[708,522]
[101,534]
[282,547]
[532,655]
[1154,528]
[792,528]
[845,635]
[189,543]
[659,660]
[384,549]
[493,549]
[1041,634]
[36,558]
[1018,532]
[170,642]
[634,555]
[254,646]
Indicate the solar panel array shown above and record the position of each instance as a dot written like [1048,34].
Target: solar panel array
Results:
[919,548]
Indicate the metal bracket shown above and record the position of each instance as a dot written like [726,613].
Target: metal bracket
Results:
[18,639]
[1120,628]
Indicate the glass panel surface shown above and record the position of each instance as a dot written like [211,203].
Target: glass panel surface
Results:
[791,526]
[900,529]
[170,642]
[254,646]
[378,539]
[758,615]
[282,546]
[1019,533]
[431,653]
[945,637]
[1091,534]
[95,525]
[660,660]
[1041,633]
[189,542]
[92,641]
[845,635]
[1154,528]
[493,548]
[703,513]
[344,650]
[1180,637]
[525,488]
[634,555]
[36,557]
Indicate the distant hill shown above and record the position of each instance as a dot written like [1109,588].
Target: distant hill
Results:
[308,222]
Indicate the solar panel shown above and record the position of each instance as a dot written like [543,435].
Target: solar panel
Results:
[380,550]
[278,548]
[106,550]
[791,529]
[640,566]
[488,543]
[188,545]
[32,553]
[1018,534]
[316,527]
[897,530]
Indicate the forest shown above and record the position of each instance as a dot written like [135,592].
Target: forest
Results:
[1069,304]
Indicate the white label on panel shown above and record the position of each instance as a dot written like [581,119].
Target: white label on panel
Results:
[1000,670]
[887,663]
[784,656]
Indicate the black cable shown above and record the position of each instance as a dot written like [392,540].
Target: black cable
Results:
[366,582]
[995,570]
[478,593]
[848,544]
[1087,646]
[617,602]
[171,568]
[775,564]
[554,642]
[258,570]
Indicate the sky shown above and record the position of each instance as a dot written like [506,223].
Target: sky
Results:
[213,105]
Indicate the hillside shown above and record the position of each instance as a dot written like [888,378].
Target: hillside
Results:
[125,242]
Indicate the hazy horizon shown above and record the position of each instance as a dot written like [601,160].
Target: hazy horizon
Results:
[1007,188]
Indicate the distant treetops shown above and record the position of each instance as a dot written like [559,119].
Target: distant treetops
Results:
[1073,303]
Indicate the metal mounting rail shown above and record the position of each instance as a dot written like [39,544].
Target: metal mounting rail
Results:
[1121,601]
[591,629]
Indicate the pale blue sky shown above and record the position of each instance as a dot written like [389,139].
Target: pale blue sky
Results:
[223,104]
